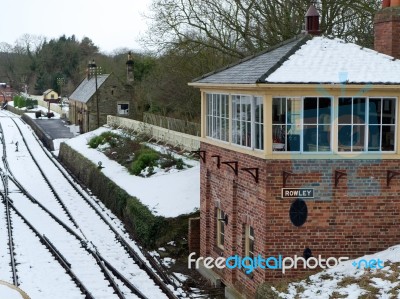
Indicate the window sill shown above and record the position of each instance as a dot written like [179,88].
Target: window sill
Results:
[218,250]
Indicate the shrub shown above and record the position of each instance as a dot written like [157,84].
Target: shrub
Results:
[166,162]
[95,141]
[145,157]
[179,164]
[105,137]
[19,101]
[30,103]
[148,228]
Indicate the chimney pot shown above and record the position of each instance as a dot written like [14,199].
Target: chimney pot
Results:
[312,21]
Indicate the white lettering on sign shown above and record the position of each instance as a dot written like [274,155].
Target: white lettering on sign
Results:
[297,193]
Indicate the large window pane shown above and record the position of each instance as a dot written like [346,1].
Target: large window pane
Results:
[372,132]
[278,111]
[344,137]
[259,123]
[374,138]
[389,111]
[345,110]
[388,138]
[359,106]
[310,110]
[358,138]
[375,111]
[217,116]
[247,121]
[310,138]
[306,122]
[324,138]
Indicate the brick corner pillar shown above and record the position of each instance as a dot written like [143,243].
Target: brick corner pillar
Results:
[387,31]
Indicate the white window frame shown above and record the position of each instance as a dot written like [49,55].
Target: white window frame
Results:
[237,119]
[367,125]
[301,125]
[217,122]
[249,238]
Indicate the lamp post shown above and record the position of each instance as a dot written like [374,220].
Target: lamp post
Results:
[95,70]
[60,83]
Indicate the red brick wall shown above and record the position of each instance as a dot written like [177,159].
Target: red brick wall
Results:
[387,31]
[194,235]
[359,216]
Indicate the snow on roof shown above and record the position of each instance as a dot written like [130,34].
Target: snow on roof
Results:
[325,60]
[252,69]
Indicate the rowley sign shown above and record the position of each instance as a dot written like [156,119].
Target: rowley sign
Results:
[297,193]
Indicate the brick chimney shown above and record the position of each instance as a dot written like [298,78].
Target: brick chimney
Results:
[312,21]
[91,65]
[387,28]
[129,68]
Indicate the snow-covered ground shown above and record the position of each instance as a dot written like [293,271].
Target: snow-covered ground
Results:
[348,281]
[167,195]
[39,274]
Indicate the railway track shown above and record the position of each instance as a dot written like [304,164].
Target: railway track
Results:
[126,268]
[10,240]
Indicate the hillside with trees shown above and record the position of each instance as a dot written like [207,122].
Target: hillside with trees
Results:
[185,40]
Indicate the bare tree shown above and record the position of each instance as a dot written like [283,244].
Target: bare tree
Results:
[241,27]
[29,43]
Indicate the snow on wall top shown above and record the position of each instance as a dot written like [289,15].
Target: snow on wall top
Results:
[324,60]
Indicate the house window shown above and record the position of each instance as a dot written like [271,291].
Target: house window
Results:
[218,116]
[220,228]
[247,121]
[249,241]
[366,124]
[302,124]
[123,109]
[317,125]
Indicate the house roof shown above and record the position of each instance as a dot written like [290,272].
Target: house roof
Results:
[312,60]
[87,88]
[256,67]
[47,92]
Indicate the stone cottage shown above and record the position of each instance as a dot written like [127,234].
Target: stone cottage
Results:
[99,95]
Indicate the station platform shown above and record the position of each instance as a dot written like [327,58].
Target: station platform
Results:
[55,128]
[49,129]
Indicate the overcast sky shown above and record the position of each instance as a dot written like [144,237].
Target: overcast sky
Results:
[109,24]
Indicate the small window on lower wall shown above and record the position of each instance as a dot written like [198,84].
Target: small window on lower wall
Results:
[220,228]
[123,109]
[249,241]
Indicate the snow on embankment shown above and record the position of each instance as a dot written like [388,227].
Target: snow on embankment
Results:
[167,195]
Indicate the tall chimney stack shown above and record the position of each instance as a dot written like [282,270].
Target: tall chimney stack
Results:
[90,66]
[387,28]
[129,68]
[312,21]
